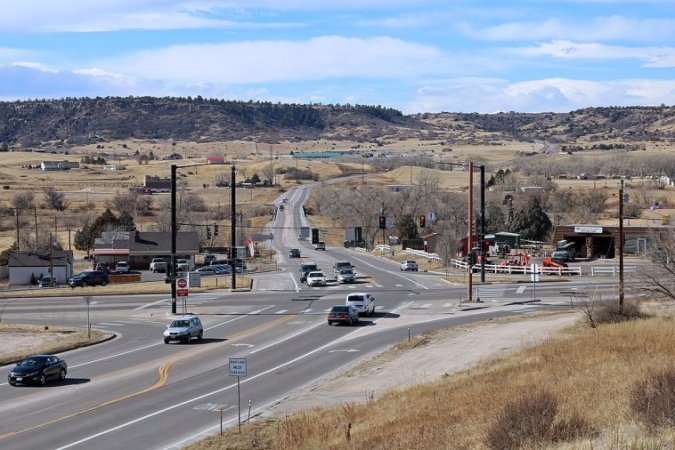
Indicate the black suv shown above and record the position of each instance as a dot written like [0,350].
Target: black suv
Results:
[89,278]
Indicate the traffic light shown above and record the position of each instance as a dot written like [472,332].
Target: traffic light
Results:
[423,221]
[315,235]
[208,232]
[215,230]
[383,222]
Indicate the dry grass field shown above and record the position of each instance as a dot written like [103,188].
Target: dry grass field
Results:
[583,389]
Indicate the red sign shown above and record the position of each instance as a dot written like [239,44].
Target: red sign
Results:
[181,292]
[182,283]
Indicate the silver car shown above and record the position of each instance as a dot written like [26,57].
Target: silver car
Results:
[183,329]
[346,276]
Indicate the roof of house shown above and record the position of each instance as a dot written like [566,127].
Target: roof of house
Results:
[40,259]
[154,242]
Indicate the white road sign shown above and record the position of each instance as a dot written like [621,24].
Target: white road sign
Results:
[237,367]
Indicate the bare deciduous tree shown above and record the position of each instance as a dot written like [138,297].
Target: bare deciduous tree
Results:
[23,200]
[55,200]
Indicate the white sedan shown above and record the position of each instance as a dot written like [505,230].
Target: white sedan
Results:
[316,278]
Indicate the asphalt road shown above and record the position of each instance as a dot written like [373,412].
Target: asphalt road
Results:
[135,392]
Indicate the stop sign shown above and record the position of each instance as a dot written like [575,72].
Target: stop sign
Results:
[182,283]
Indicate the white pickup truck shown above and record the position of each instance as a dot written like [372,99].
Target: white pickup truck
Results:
[157,265]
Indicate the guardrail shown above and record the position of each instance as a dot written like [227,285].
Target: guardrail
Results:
[519,270]
[423,254]
[613,270]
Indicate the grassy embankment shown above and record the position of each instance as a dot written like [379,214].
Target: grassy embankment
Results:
[581,389]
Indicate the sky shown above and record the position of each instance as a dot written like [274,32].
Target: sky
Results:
[413,55]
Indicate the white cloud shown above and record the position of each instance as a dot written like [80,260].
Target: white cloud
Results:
[596,29]
[554,95]
[272,61]
[653,56]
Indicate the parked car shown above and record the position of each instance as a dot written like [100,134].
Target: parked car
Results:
[285,199]
[208,258]
[182,265]
[346,276]
[363,302]
[158,265]
[46,282]
[409,265]
[281,207]
[316,278]
[38,369]
[307,268]
[294,253]
[122,267]
[320,246]
[339,265]
[89,278]
[343,314]
[210,270]
[222,269]
[183,329]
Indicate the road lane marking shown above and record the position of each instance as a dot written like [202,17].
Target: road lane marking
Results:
[281,311]
[521,289]
[200,397]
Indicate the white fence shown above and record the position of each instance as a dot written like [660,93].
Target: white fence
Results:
[519,270]
[613,270]
[423,254]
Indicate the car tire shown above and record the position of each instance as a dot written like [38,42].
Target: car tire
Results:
[187,339]
[42,380]
[62,375]
[330,323]
[12,383]
[200,335]
[351,321]
[166,341]
[103,283]
[84,283]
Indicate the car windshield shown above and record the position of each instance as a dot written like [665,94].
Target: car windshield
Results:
[346,272]
[179,324]
[32,362]
[340,308]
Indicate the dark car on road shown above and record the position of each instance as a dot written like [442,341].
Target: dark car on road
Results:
[89,278]
[305,269]
[38,369]
[294,253]
[343,314]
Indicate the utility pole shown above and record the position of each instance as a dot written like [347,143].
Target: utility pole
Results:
[233,228]
[482,224]
[470,233]
[36,227]
[18,240]
[172,265]
[621,285]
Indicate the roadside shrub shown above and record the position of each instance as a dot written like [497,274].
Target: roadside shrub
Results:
[653,399]
[527,420]
[608,312]
[531,421]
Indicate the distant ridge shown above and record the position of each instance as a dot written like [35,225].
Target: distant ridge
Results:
[78,121]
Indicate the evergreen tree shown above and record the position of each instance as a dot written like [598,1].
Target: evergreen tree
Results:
[532,222]
[84,239]
[406,227]
[127,222]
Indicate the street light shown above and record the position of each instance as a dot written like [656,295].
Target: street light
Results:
[171,271]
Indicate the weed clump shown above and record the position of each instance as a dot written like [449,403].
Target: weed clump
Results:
[653,399]
[609,312]
[531,421]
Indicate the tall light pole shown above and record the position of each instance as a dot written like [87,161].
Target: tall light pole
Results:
[171,270]
[233,225]
[621,285]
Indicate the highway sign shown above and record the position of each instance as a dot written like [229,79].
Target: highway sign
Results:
[237,367]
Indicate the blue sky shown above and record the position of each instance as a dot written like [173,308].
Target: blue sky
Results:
[413,55]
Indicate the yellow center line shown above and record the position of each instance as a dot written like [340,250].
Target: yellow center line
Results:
[161,380]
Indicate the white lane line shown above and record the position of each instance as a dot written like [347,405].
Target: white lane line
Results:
[306,310]
[404,277]
[447,305]
[311,327]
[521,289]
[426,306]
[106,324]
[158,343]
[295,283]
[148,305]
[281,311]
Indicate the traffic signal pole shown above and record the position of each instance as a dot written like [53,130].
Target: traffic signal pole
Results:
[172,266]
[233,229]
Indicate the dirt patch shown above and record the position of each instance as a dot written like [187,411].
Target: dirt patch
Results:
[18,341]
